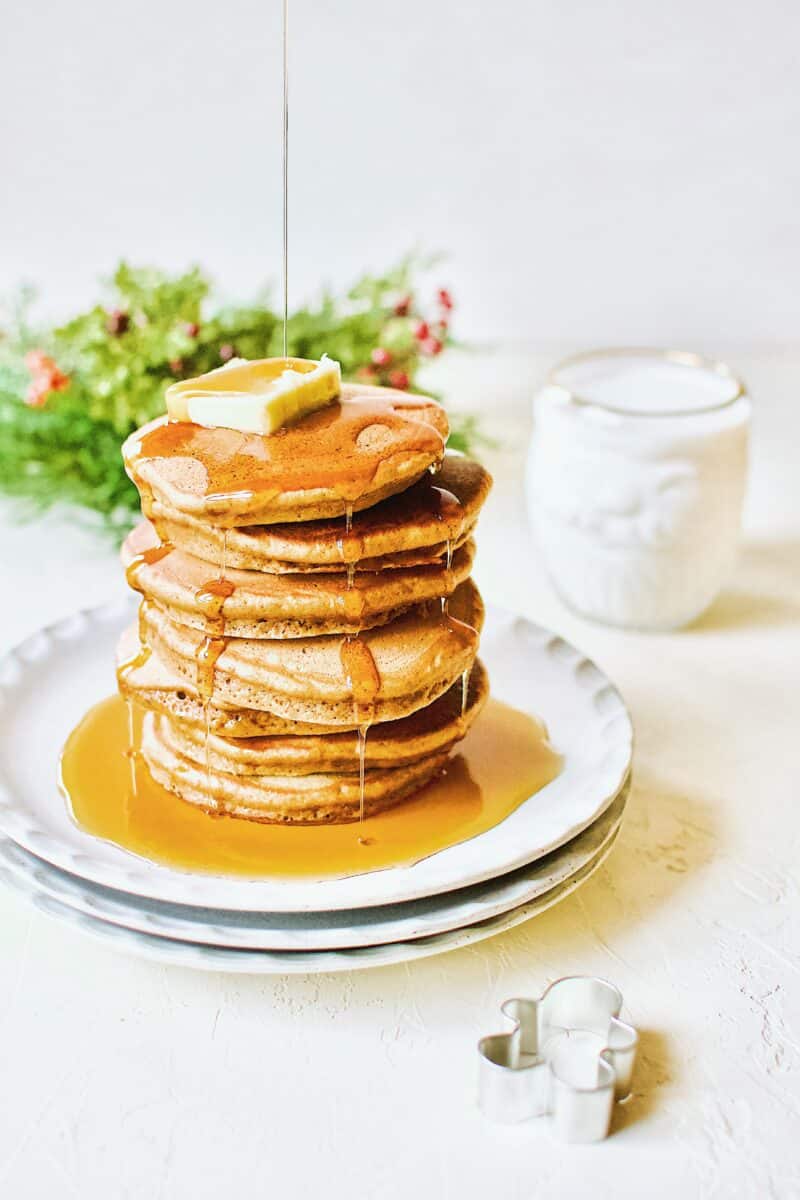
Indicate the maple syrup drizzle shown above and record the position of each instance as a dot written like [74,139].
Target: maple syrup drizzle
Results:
[353,600]
[363,730]
[463,634]
[285,174]
[361,673]
[504,758]
[131,751]
[364,681]
[142,653]
[152,554]
[465,690]
[137,660]
[207,740]
[208,652]
[448,507]
[210,598]
[134,662]
[145,608]
[223,497]
[346,546]
[349,545]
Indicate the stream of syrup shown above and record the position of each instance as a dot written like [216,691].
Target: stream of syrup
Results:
[285,175]
[504,759]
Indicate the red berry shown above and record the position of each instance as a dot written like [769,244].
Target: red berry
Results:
[191,329]
[59,382]
[399,379]
[176,366]
[381,357]
[46,375]
[441,328]
[226,352]
[117,322]
[432,345]
[37,360]
[444,298]
[421,330]
[36,395]
[402,306]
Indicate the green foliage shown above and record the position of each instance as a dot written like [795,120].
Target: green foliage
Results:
[87,384]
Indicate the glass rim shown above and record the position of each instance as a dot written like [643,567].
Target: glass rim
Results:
[683,358]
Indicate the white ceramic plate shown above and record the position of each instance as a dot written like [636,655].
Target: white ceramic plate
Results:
[49,681]
[319,931]
[291,962]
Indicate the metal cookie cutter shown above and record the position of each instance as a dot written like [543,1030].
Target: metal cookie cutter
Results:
[568,1056]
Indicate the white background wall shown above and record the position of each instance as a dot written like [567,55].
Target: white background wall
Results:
[598,171]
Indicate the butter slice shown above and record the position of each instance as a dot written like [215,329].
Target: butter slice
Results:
[256,396]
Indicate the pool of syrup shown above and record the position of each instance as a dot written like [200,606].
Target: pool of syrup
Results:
[504,759]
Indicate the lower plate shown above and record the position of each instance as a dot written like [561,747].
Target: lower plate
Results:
[277,962]
[318,931]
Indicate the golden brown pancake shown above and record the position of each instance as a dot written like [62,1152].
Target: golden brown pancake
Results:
[370,444]
[254,604]
[391,744]
[409,529]
[381,675]
[322,798]
[144,677]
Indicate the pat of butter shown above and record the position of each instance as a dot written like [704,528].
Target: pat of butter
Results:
[257,396]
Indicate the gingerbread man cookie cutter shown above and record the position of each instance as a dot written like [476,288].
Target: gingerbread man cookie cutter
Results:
[568,1056]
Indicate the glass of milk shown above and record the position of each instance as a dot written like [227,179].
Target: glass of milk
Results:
[636,477]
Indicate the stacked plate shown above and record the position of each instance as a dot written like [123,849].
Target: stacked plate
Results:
[467,892]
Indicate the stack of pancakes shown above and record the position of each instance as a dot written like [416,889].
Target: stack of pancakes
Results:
[306,649]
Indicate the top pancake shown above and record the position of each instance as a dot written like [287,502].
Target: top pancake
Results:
[369,444]
[410,529]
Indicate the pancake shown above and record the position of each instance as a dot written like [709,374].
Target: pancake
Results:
[390,744]
[323,798]
[205,547]
[144,678]
[253,604]
[410,529]
[383,674]
[371,443]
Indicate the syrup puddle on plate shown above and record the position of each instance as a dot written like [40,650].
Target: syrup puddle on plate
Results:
[504,759]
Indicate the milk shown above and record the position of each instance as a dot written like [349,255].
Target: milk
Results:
[635,483]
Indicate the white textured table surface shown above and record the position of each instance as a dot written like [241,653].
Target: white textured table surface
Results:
[123,1079]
